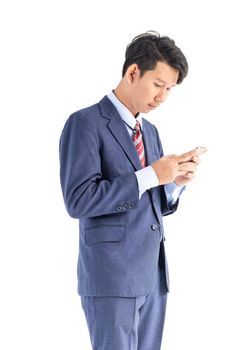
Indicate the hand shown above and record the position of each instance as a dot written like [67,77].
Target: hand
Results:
[183,180]
[180,169]
[166,169]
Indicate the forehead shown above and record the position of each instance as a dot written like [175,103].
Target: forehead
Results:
[165,73]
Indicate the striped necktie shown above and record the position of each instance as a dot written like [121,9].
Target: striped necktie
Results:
[138,143]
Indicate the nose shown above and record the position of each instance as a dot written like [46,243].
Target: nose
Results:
[161,96]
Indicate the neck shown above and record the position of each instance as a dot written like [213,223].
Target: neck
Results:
[123,96]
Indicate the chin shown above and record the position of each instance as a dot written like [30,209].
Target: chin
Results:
[148,109]
[144,109]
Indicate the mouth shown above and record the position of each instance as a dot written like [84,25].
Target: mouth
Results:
[153,107]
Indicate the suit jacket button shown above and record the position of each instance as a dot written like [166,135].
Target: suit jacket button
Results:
[154,227]
[131,205]
[118,208]
[125,206]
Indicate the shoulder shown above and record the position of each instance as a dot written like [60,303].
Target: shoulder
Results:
[85,114]
[81,127]
[88,117]
[93,113]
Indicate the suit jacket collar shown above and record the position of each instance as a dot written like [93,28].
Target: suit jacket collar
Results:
[118,129]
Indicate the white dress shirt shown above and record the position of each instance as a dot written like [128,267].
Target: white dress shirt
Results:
[146,177]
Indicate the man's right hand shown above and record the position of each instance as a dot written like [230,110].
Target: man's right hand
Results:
[169,167]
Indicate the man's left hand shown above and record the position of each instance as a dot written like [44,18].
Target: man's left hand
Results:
[190,167]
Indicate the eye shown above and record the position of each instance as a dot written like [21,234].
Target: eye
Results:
[157,85]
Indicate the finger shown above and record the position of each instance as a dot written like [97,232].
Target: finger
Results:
[190,175]
[182,173]
[196,160]
[188,166]
[186,157]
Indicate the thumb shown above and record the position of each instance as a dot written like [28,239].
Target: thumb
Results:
[186,157]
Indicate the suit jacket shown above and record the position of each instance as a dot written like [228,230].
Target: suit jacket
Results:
[119,247]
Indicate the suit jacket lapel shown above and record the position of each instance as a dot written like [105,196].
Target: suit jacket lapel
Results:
[119,131]
[147,137]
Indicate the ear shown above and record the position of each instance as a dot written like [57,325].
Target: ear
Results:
[132,73]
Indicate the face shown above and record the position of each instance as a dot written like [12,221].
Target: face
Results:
[149,91]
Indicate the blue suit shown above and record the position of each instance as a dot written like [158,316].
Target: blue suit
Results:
[121,249]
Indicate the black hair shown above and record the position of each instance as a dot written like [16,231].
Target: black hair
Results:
[148,48]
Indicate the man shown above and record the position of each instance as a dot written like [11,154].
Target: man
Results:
[117,182]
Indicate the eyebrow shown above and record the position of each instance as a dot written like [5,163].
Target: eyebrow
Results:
[163,81]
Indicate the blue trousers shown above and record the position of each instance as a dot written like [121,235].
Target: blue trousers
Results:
[116,323]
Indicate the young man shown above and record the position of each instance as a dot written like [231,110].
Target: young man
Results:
[117,182]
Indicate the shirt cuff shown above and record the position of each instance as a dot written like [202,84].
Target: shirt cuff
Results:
[173,192]
[147,179]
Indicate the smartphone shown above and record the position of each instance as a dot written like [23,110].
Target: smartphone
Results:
[201,150]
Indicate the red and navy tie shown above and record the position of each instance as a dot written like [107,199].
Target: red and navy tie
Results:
[138,143]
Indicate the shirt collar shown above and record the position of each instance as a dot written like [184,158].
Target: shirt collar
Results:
[124,112]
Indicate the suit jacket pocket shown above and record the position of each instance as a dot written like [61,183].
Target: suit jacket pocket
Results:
[105,234]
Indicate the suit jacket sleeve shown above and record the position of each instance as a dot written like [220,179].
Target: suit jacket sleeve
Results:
[166,207]
[86,193]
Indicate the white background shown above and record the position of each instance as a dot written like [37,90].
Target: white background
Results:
[59,56]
